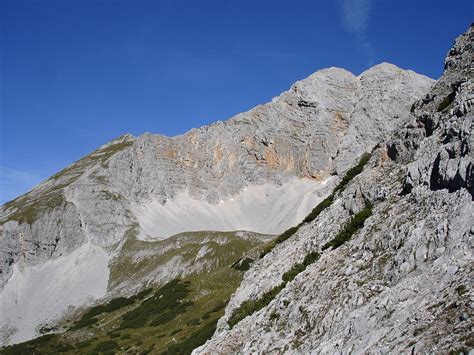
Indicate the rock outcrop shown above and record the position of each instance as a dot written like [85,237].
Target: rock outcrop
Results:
[261,171]
[402,283]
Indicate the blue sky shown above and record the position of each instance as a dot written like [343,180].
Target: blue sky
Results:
[76,74]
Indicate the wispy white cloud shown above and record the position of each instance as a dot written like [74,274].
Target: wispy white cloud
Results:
[355,17]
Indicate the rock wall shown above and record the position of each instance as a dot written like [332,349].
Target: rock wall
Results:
[315,130]
[262,171]
[402,284]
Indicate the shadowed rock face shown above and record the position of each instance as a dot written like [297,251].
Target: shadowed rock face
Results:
[287,152]
[402,283]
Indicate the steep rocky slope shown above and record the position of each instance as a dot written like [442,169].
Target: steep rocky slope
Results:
[261,171]
[391,264]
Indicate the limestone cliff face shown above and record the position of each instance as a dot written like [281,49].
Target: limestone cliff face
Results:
[401,284]
[262,171]
[315,130]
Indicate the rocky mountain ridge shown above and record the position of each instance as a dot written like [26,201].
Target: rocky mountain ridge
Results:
[403,282]
[261,171]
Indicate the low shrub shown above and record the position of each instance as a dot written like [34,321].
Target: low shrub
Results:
[291,274]
[447,101]
[194,340]
[106,345]
[352,172]
[353,226]
[90,317]
[83,323]
[286,234]
[274,315]
[162,307]
[300,267]
[319,208]
[251,306]
[242,264]
[311,258]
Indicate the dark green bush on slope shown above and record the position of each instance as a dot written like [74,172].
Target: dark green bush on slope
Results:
[242,264]
[45,344]
[107,345]
[352,172]
[251,306]
[300,267]
[162,307]
[196,339]
[90,317]
[353,226]
[447,101]
[319,208]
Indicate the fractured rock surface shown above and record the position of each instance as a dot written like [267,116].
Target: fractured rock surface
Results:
[262,171]
[403,283]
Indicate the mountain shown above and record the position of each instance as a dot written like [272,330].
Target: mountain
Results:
[386,265]
[106,237]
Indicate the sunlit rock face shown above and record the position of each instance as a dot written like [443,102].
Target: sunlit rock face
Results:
[261,171]
[402,283]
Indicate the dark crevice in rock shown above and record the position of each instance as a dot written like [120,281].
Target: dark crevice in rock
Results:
[435,178]
[304,103]
[439,180]
[470,180]
[392,151]
[407,187]
[428,124]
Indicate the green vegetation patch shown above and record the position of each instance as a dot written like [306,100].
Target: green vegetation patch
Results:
[108,195]
[46,344]
[164,306]
[192,304]
[100,155]
[251,306]
[356,223]
[447,101]
[243,264]
[106,346]
[27,209]
[90,317]
[138,259]
[196,339]
[309,259]
[28,212]
[353,172]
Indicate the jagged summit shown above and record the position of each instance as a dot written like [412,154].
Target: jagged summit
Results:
[399,282]
[260,171]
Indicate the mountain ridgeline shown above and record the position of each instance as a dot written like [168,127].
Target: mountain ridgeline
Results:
[336,218]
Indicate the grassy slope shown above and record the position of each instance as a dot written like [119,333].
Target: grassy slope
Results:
[206,286]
